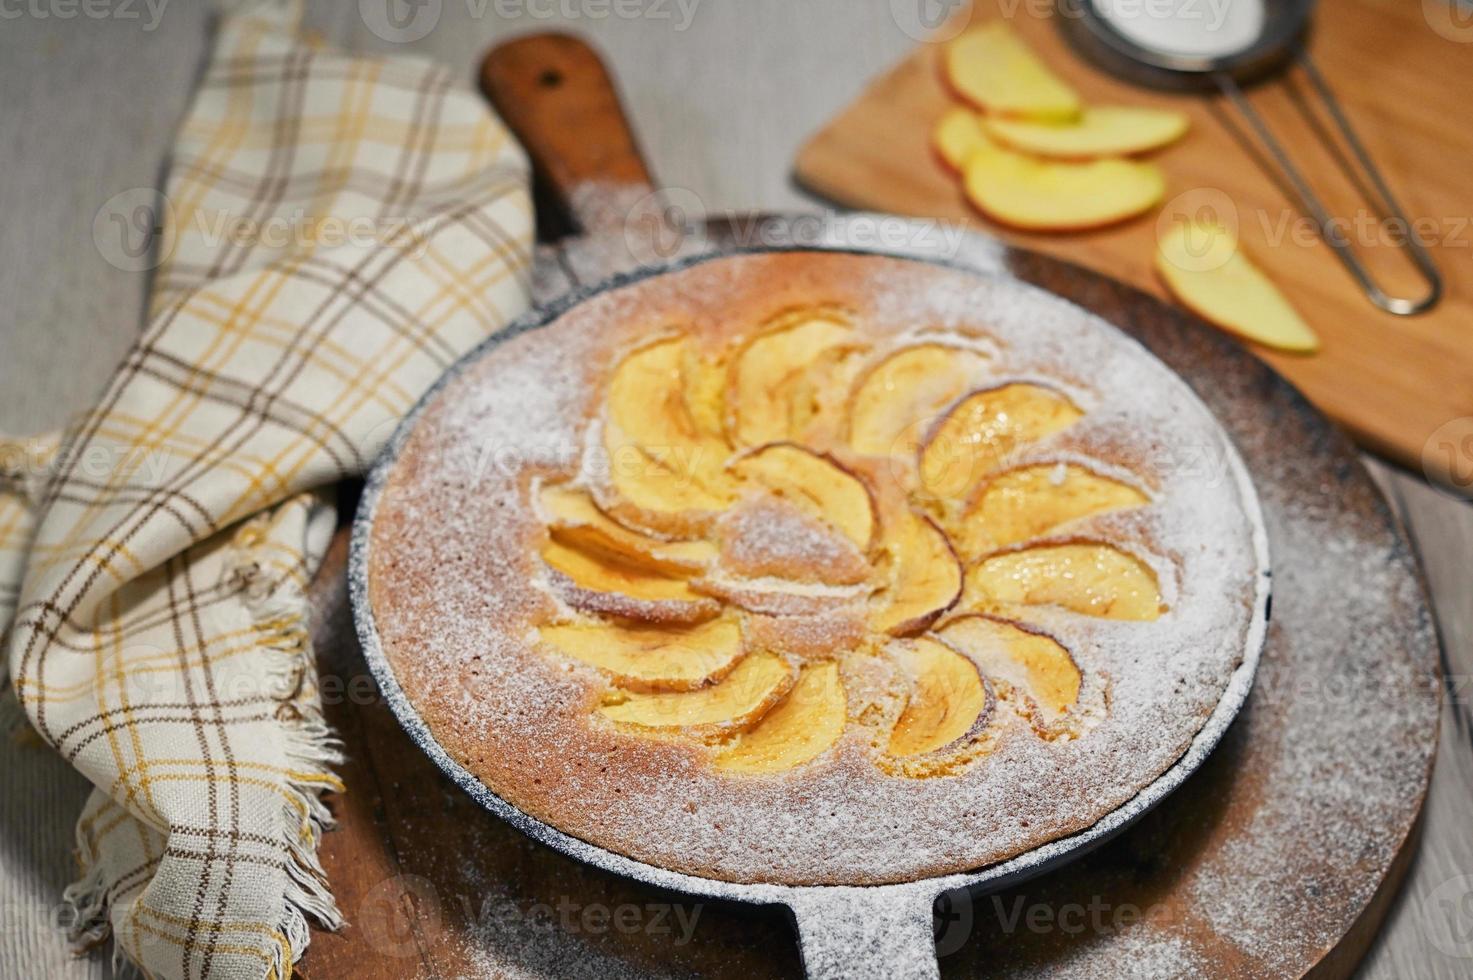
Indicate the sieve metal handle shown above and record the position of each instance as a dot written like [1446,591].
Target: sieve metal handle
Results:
[1310,202]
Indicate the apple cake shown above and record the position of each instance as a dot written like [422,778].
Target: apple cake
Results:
[815,567]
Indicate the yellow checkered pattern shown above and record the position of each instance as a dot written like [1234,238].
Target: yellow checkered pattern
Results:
[337,232]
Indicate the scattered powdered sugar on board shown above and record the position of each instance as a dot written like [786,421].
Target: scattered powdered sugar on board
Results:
[454,583]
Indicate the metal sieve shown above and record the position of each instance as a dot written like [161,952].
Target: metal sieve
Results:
[1170,46]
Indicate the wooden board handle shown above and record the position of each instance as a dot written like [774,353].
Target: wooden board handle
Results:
[555,95]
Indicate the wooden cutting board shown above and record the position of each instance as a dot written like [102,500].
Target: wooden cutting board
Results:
[1392,381]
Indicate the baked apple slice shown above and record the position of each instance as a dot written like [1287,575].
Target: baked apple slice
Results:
[766,374]
[897,398]
[1034,194]
[1206,269]
[574,519]
[1098,131]
[924,578]
[735,701]
[816,484]
[1086,577]
[652,658]
[703,381]
[979,433]
[1030,671]
[1028,501]
[816,392]
[957,133]
[947,700]
[661,466]
[801,727]
[596,582]
[994,69]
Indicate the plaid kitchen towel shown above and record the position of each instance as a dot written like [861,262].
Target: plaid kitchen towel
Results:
[336,231]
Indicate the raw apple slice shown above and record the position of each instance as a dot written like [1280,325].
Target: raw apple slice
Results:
[1032,194]
[947,702]
[898,396]
[574,519]
[1031,671]
[1207,271]
[994,69]
[644,658]
[763,376]
[1089,578]
[660,463]
[1098,131]
[737,700]
[983,429]
[1026,502]
[924,576]
[815,484]
[798,730]
[595,582]
[958,132]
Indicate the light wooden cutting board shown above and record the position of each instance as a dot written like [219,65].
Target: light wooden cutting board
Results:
[1395,382]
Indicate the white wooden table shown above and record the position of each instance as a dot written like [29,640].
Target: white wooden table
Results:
[721,91]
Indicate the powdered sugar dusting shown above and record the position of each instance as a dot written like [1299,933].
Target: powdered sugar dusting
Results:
[453,581]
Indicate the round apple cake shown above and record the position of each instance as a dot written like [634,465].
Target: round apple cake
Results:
[815,567]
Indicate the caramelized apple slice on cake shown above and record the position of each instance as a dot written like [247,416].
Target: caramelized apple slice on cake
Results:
[815,484]
[979,433]
[924,577]
[800,728]
[947,700]
[664,472]
[903,393]
[737,700]
[652,658]
[1030,671]
[767,376]
[1086,577]
[1027,502]
[595,582]
[574,519]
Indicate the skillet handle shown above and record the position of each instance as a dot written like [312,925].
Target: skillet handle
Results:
[555,95]
[876,933]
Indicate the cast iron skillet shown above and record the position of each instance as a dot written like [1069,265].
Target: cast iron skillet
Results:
[557,97]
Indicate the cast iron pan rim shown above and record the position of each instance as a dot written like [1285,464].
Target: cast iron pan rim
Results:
[1011,871]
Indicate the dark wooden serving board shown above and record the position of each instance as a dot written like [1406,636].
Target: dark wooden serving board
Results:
[1260,865]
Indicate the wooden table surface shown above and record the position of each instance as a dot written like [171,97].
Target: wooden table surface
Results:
[722,93]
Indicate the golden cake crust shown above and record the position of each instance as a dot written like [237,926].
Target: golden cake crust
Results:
[459,588]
